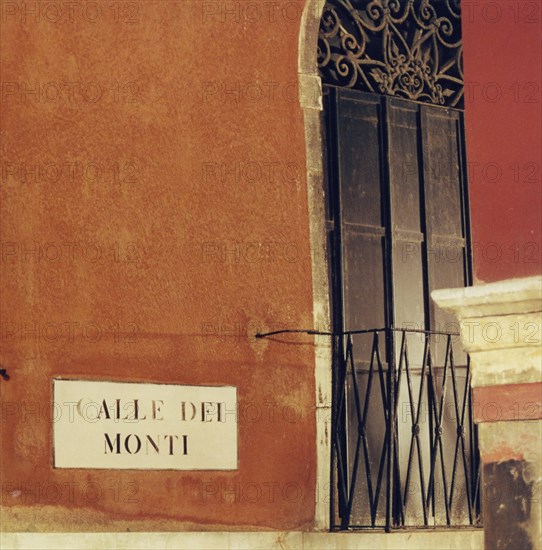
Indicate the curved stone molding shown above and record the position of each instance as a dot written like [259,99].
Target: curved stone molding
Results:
[310,98]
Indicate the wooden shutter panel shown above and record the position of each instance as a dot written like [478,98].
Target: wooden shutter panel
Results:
[443,182]
[447,263]
[405,218]
[360,189]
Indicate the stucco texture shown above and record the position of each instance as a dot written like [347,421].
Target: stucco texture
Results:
[161,267]
[503,113]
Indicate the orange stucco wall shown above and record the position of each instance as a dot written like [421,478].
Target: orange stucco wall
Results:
[154,218]
[503,68]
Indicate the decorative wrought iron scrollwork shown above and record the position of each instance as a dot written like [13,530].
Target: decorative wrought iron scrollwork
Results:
[405,48]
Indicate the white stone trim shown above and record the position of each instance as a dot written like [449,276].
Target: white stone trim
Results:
[499,298]
[465,539]
[310,97]
[501,328]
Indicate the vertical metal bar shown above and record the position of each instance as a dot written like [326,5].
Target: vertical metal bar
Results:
[404,353]
[397,496]
[342,449]
[430,397]
[423,220]
[372,499]
[352,485]
[460,438]
[387,209]
[440,428]
[390,428]
[465,198]
[334,395]
[474,455]
[383,455]
[387,212]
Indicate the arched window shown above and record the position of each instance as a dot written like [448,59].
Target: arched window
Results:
[409,49]
[404,446]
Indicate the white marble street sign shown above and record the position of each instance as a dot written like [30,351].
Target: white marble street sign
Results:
[127,425]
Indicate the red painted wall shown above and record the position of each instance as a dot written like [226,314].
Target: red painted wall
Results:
[503,63]
[154,217]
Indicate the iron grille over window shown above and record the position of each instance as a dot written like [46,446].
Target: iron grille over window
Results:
[404,448]
[404,443]
[398,228]
[406,48]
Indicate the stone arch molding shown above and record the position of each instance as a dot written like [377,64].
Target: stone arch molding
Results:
[310,97]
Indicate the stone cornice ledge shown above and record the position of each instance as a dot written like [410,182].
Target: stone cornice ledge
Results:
[500,298]
[501,327]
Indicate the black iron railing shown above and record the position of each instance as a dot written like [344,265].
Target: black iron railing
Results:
[404,445]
